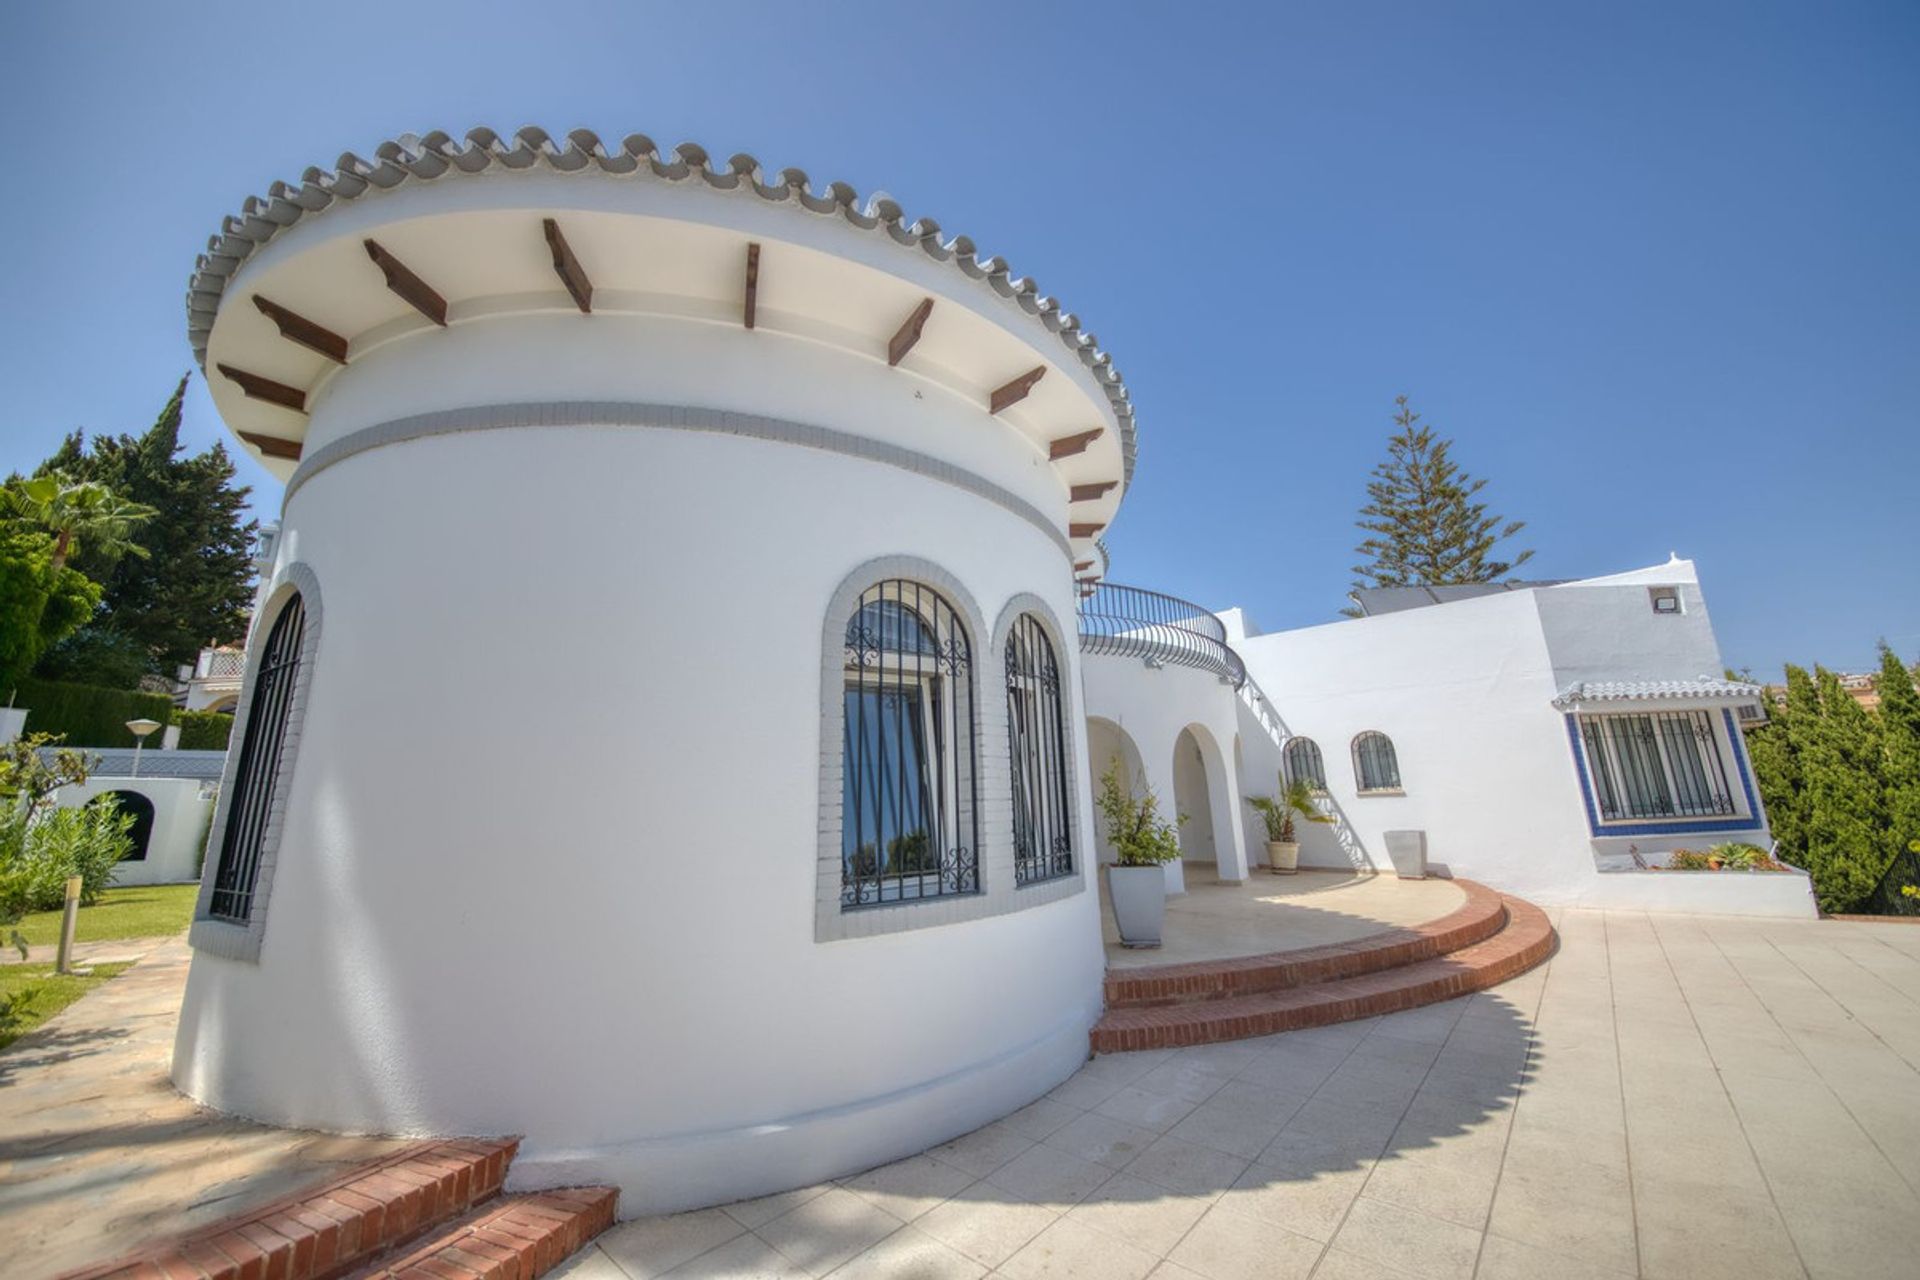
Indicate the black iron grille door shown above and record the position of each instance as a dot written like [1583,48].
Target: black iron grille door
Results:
[908,824]
[251,802]
[1042,843]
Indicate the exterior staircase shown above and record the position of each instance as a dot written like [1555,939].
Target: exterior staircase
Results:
[433,1211]
[1490,938]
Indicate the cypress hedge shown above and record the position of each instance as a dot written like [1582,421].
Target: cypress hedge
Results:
[88,715]
[203,730]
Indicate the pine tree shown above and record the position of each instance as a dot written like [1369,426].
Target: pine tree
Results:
[1424,527]
[1900,738]
[1847,849]
[195,584]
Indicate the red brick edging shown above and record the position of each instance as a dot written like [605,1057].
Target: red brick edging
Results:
[1480,917]
[1525,941]
[326,1231]
[522,1236]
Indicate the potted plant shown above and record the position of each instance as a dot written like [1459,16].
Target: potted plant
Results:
[1136,885]
[1278,812]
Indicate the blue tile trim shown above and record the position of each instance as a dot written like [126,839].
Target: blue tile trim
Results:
[1681,827]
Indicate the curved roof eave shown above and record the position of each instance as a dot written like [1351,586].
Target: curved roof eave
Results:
[437,154]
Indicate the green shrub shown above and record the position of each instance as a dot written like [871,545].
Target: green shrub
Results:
[52,845]
[203,730]
[1687,860]
[89,715]
[1135,828]
[1738,855]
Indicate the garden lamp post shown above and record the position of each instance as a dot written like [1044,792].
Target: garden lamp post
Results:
[140,729]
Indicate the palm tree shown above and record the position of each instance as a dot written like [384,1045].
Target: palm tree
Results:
[74,511]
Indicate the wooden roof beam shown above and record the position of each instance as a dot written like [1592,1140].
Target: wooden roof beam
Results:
[909,332]
[259,388]
[1089,492]
[568,268]
[298,329]
[753,282]
[1082,564]
[1084,530]
[414,291]
[1014,392]
[272,446]
[1067,446]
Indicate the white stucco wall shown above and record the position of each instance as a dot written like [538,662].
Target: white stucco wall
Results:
[588,917]
[180,817]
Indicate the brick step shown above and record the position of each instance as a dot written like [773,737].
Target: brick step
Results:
[1525,941]
[1480,917]
[518,1238]
[331,1229]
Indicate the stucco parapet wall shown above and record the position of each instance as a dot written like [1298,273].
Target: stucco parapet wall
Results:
[1706,688]
[425,158]
[616,413]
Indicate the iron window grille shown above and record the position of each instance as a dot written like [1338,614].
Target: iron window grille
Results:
[1042,840]
[1662,764]
[1375,765]
[909,811]
[255,779]
[1303,763]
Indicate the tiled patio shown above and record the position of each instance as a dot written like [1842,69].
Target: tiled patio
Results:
[1670,1096]
[1214,920]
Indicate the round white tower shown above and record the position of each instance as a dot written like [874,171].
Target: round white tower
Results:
[660,735]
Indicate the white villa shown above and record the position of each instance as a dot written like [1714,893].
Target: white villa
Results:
[803,875]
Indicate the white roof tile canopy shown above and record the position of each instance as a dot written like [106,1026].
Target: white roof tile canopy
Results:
[1587,691]
[994,313]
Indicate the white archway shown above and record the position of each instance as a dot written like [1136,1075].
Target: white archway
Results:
[1209,794]
[1107,742]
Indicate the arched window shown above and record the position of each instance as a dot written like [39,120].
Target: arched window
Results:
[909,816]
[257,773]
[1042,841]
[1303,763]
[141,810]
[1375,767]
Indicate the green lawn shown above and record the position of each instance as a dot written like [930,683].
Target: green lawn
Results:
[151,911]
[34,993]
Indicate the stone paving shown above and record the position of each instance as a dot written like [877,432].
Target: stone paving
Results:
[99,1155]
[1668,1097]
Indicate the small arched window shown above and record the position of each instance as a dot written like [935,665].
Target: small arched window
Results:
[1036,737]
[908,824]
[1302,763]
[1375,766]
[257,774]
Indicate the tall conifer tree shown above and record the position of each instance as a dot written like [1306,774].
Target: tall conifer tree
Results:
[1847,847]
[194,586]
[1424,527]
[1900,734]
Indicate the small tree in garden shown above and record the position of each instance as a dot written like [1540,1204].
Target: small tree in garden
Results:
[1423,526]
[1134,826]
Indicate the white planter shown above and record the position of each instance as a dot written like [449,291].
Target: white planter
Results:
[1139,896]
[1283,856]
[1408,849]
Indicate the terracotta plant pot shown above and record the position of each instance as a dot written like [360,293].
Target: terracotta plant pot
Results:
[1283,857]
[1139,897]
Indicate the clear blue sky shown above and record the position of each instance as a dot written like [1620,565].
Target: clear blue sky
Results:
[1655,267]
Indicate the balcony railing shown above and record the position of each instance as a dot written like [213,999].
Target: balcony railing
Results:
[1132,622]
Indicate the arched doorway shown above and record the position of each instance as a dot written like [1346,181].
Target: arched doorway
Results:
[1107,742]
[1192,797]
[141,832]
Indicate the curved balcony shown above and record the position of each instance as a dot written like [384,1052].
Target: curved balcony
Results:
[1132,622]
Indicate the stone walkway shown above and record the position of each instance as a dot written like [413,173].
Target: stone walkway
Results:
[1214,920]
[99,1155]
[1668,1097]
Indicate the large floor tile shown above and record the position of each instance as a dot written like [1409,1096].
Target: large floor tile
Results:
[986,1224]
[1072,1251]
[1048,1175]
[910,1254]
[1102,1139]
[1188,1167]
[1144,1214]
[1416,1243]
[827,1231]
[1225,1245]
[908,1188]
[648,1247]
